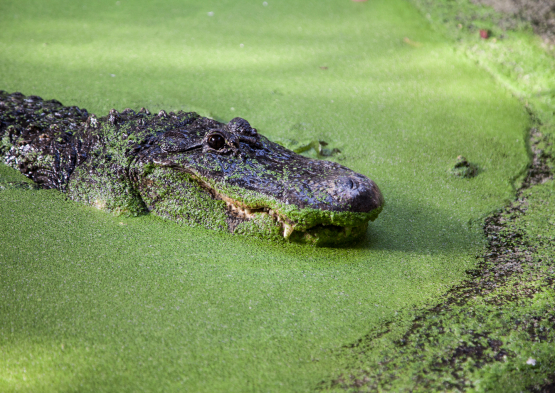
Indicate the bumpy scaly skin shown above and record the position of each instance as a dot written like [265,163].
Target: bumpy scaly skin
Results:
[186,168]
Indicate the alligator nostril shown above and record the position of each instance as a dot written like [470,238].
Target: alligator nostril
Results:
[346,183]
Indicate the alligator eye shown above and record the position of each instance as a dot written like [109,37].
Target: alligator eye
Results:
[216,141]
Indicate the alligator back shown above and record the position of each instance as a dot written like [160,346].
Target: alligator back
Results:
[38,138]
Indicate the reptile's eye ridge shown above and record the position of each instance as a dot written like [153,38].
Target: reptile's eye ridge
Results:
[216,141]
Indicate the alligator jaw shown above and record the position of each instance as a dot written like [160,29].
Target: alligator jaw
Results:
[319,234]
[325,231]
[242,211]
[238,210]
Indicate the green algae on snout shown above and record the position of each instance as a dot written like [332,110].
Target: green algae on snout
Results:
[307,223]
[191,202]
[177,196]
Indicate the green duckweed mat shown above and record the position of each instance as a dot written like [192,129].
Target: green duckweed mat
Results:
[94,302]
[495,331]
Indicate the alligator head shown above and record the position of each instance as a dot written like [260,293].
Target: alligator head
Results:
[252,185]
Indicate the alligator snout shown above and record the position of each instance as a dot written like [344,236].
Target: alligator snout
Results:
[356,193]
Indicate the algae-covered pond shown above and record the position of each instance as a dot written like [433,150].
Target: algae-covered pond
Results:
[94,302]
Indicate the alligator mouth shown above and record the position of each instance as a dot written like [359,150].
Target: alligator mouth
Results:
[239,210]
[319,234]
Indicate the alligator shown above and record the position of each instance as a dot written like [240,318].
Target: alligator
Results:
[186,168]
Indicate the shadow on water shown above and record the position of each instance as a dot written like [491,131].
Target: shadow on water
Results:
[420,229]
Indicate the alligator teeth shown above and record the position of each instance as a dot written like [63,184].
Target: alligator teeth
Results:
[287,230]
[240,210]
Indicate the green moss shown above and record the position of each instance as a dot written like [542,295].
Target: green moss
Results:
[262,226]
[329,235]
[463,168]
[496,337]
[303,218]
[310,148]
[174,195]
[105,187]
[6,144]
[495,332]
